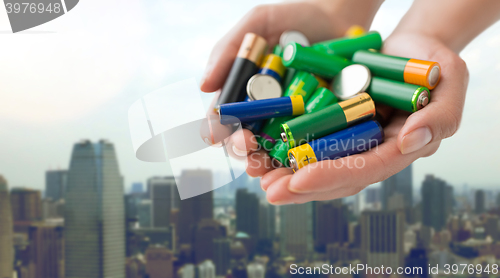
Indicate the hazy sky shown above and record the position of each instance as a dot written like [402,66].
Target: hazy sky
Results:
[76,77]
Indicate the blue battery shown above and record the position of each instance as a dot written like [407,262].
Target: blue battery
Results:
[350,141]
[268,71]
[262,109]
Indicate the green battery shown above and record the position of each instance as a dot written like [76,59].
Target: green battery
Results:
[328,120]
[303,84]
[399,95]
[277,50]
[413,71]
[312,60]
[345,47]
[321,98]
[280,153]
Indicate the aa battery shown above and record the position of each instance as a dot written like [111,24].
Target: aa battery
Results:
[312,60]
[356,139]
[273,66]
[399,95]
[303,84]
[277,50]
[347,46]
[262,109]
[333,118]
[262,86]
[321,98]
[293,36]
[414,71]
[289,76]
[244,66]
[279,153]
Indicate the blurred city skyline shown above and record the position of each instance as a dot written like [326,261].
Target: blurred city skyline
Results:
[42,116]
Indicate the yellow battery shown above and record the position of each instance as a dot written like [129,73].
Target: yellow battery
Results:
[274,63]
[355,31]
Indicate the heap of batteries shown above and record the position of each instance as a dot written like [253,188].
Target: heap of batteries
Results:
[327,108]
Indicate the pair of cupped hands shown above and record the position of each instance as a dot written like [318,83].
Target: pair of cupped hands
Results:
[407,136]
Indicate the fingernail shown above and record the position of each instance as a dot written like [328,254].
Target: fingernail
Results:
[280,203]
[298,190]
[239,152]
[416,140]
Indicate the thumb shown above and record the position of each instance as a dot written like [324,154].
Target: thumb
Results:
[441,118]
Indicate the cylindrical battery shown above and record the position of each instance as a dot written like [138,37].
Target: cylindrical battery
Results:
[289,76]
[262,86]
[320,99]
[313,61]
[273,66]
[277,50]
[399,95]
[333,118]
[413,71]
[293,36]
[345,47]
[261,109]
[356,139]
[245,65]
[280,153]
[303,84]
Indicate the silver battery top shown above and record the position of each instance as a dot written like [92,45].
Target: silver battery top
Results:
[352,80]
[262,86]
[293,36]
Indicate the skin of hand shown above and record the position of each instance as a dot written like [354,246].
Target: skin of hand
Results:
[407,137]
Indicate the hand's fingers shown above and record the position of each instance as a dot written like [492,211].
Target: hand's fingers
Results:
[243,142]
[358,170]
[274,175]
[258,163]
[278,193]
[441,118]
[224,52]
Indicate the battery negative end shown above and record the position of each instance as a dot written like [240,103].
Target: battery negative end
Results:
[288,52]
[423,100]
[434,76]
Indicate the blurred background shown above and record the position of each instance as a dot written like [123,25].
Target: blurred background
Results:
[65,89]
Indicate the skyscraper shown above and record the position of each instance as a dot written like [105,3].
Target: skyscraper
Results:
[95,213]
[382,238]
[162,200]
[332,225]
[137,188]
[55,184]
[297,230]
[192,210]
[159,262]
[222,255]
[6,230]
[26,204]
[267,221]
[207,230]
[247,212]
[479,204]
[436,202]
[46,250]
[401,183]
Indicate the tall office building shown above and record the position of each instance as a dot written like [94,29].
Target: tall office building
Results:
[144,213]
[159,262]
[247,212]
[55,184]
[192,210]
[382,238]
[331,224]
[137,188]
[372,195]
[222,255]
[95,213]
[297,230]
[6,231]
[267,221]
[47,250]
[479,204]
[401,183]
[206,231]
[26,204]
[436,202]
[162,189]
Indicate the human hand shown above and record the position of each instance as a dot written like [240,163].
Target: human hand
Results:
[407,136]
